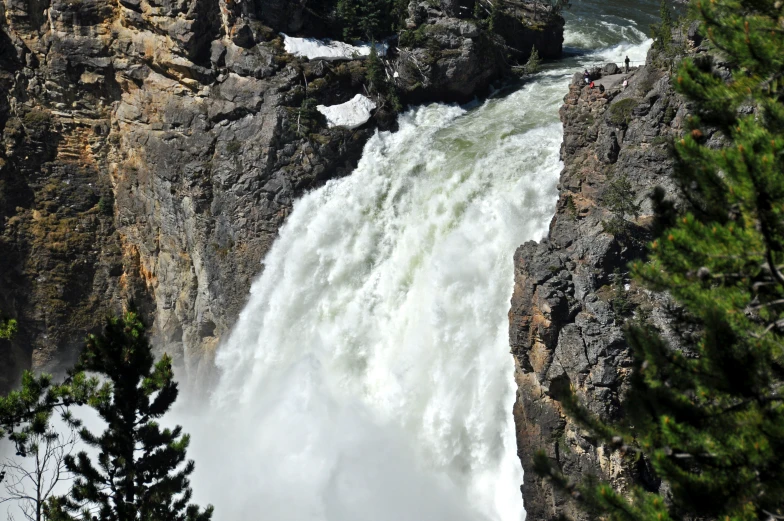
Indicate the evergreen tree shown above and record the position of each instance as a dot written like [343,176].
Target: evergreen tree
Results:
[534,62]
[369,19]
[662,32]
[141,472]
[708,414]
[27,412]
[375,70]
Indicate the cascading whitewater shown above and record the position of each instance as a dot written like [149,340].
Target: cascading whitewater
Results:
[369,376]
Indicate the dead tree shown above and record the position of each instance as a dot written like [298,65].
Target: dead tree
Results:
[30,481]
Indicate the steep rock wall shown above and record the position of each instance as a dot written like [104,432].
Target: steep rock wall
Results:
[447,54]
[572,292]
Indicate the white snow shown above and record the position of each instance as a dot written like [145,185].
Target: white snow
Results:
[329,49]
[351,114]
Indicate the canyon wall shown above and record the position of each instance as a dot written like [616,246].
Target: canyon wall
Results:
[572,291]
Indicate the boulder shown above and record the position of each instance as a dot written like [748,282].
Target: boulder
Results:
[610,69]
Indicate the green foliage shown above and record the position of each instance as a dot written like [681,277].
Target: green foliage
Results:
[141,471]
[667,49]
[662,32]
[571,207]
[534,62]
[8,329]
[619,301]
[308,118]
[621,201]
[708,414]
[370,19]
[27,412]
[414,38]
[375,74]
[495,16]
[620,112]
[377,80]
[106,205]
[620,198]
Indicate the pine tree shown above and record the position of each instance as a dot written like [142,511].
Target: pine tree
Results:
[534,62]
[375,70]
[662,32]
[141,472]
[26,413]
[708,414]
[368,19]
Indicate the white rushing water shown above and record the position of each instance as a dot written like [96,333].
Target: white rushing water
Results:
[369,376]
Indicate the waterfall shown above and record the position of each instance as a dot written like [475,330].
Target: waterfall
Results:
[369,375]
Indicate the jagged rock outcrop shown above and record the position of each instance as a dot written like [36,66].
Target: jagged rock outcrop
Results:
[572,292]
[449,54]
[151,151]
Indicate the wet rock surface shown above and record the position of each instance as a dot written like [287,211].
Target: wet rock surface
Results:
[572,293]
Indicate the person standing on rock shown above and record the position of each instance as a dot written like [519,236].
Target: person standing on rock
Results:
[587,76]
[627,61]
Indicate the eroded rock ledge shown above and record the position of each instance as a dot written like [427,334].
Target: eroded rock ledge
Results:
[572,292]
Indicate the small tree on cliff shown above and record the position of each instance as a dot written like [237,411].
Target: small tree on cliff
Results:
[141,472]
[8,328]
[369,19]
[708,414]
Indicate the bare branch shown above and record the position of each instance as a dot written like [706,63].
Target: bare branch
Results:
[32,485]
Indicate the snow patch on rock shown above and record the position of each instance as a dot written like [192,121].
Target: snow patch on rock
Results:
[312,48]
[351,114]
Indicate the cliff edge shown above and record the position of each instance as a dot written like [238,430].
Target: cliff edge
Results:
[572,292]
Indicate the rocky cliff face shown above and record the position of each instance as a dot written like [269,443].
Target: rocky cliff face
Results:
[151,151]
[572,293]
[454,50]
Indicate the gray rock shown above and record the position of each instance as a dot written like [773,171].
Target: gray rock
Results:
[458,58]
[570,337]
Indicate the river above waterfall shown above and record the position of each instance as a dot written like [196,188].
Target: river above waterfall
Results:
[369,375]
